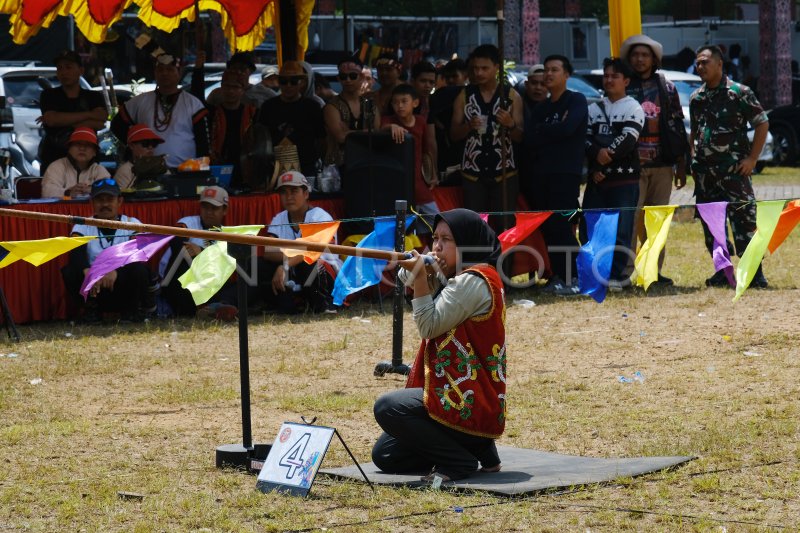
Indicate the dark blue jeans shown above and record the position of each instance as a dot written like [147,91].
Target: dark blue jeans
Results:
[619,196]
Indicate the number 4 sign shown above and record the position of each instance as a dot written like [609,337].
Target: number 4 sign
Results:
[294,458]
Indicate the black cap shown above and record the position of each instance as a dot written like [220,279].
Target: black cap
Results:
[242,58]
[105,186]
[68,55]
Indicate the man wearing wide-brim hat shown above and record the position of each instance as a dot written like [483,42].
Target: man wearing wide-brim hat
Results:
[663,114]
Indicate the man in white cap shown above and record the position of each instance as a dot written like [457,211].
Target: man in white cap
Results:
[662,143]
[289,283]
[178,257]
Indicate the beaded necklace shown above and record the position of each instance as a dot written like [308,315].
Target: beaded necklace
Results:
[166,107]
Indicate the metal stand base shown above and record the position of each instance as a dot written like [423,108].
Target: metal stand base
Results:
[240,458]
[5,314]
[387,367]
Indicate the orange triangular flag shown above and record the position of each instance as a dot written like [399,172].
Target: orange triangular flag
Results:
[526,224]
[790,216]
[320,233]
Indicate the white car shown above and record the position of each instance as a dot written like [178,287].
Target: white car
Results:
[686,84]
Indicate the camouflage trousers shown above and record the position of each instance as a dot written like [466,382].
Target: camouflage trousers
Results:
[729,187]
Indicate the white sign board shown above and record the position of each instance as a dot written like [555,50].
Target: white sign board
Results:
[294,458]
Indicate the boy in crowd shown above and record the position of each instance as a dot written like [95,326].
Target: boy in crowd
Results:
[74,174]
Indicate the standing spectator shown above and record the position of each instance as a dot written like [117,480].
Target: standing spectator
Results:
[456,73]
[177,116]
[129,290]
[345,113]
[723,157]
[243,65]
[479,112]
[663,117]
[295,122]
[534,93]
[230,122]
[268,88]
[423,79]
[389,71]
[449,152]
[322,88]
[614,126]
[309,89]
[559,138]
[74,174]
[66,107]
[368,84]
[403,120]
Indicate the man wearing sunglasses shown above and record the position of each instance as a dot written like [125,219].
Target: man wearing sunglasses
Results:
[175,115]
[129,290]
[344,112]
[294,121]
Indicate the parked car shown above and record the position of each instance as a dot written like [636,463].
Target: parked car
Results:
[784,125]
[686,84]
[517,77]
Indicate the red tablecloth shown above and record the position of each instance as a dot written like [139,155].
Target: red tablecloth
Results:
[37,293]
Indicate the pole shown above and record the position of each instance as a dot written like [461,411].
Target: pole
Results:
[396,366]
[241,253]
[501,88]
[298,244]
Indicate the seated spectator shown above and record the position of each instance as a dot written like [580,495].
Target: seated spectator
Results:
[345,113]
[295,123]
[74,174]
[289,284]
[177,116]
[404,101]
[230,121]
[130,290]
[142,141]
[613,130]
[177,258]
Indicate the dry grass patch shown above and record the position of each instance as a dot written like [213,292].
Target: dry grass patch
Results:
[141,409]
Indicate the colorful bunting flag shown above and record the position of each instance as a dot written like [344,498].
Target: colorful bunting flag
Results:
[137,250]
[789,219]
[527,223]
[318,233]
[358,273]
[212,267]
[714,215]
[767,216]
[484,217]
[595,257]
[656,221]
[40,251]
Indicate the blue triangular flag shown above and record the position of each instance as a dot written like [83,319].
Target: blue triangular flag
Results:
[358,273]
[595,257]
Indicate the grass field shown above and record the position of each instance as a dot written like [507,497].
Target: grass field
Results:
[140,409]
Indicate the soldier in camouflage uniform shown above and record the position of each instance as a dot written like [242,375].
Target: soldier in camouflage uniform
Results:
[723,158]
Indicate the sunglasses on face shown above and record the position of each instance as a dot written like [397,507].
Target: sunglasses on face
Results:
[290,80]
[105,181]
[348,76]
[148,144]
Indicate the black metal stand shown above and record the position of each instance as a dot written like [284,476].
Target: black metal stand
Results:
[8,319]
[396,366]
[240,455]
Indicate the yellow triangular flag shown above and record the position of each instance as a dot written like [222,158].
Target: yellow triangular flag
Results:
[40,251]
[767,215]
[319,233]
[657,220]
[212,267]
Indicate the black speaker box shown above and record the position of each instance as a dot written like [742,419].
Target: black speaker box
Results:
[377,172]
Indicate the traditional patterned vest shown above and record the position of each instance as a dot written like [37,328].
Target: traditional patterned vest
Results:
[463,371]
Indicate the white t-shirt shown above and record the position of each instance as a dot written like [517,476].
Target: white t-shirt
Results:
[193,222]
[61,175]
[178,135]
[103,241]
[281,228]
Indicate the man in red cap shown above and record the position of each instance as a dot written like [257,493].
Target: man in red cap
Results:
[66,107]
[74,174]
[142,142]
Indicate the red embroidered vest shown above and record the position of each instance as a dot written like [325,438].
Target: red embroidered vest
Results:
[463,371]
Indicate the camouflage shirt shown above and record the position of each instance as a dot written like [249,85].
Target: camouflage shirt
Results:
[719,118]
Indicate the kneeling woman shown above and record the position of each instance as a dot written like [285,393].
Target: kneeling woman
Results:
[453,407]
